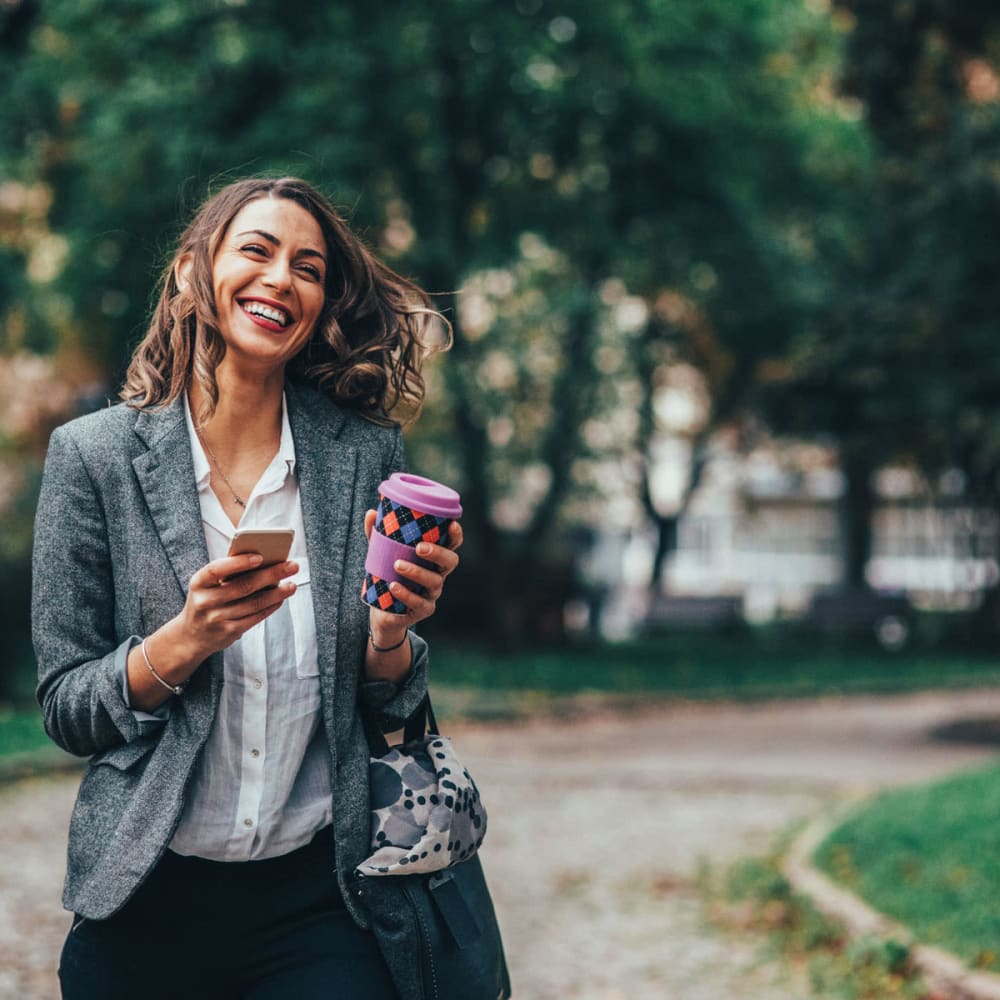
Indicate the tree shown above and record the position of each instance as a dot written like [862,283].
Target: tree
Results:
[901,369]
[669,149]
[655,146]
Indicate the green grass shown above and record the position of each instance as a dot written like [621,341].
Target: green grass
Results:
[21,731]
[755,896]
[751,664]
[930,858]
[706,665]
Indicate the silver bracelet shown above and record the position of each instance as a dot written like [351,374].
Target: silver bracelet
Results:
[172,688]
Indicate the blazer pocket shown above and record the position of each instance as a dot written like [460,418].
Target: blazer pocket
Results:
[123,757]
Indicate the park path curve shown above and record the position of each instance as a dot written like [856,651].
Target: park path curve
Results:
[598,825]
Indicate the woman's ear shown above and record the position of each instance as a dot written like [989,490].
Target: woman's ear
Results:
[182,271]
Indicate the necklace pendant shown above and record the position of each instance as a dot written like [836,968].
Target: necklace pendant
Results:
[239,500]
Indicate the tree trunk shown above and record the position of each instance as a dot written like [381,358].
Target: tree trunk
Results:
[668,525]
[856,508]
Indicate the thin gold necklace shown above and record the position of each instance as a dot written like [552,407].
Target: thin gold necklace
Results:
[218,468]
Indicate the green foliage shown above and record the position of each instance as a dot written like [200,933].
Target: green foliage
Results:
[130,108]
[902,366]
[928,857]
[834,251]
[656,146]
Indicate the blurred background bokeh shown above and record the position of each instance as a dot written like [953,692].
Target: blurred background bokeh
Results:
[722,277]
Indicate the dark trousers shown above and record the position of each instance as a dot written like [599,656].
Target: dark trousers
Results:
[205,930]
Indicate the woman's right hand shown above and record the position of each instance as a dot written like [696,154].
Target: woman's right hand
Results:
[226,598]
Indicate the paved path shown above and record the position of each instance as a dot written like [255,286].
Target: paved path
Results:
[597,829]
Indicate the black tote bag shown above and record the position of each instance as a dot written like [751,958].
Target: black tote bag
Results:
[438,931]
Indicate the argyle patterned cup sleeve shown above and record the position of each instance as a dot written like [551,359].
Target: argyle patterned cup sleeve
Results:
[409,526]
[375,591]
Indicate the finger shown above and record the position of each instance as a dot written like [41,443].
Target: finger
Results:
[430,579]
[369,523]
[446,560]
[455,536]
[260,600]
[247,622]
[239,587]
[214,573]
[418,607]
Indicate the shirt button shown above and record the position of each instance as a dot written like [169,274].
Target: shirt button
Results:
[254,753]
[248,821]
[258,683]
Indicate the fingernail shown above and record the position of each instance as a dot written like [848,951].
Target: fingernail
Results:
[424,549]
[256,559]
[399,564]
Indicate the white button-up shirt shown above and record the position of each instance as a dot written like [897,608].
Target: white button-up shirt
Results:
[261,787]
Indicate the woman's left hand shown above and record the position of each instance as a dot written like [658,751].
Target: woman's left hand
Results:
[419,606]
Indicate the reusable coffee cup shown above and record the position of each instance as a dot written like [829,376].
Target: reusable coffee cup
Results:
[411,509]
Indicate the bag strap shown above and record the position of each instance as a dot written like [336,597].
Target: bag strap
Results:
[431,726]
[420,722]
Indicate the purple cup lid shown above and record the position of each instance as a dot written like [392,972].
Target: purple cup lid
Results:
[424,495]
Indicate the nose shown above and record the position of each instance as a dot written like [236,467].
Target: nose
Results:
[279,274]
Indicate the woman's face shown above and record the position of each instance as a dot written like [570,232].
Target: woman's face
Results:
[269,278]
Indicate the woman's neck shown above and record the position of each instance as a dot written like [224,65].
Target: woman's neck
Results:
[247,416]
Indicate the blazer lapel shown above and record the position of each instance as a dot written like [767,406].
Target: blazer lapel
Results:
[166,477]
[327,476]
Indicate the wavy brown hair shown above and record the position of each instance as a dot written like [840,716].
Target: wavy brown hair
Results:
[365,351]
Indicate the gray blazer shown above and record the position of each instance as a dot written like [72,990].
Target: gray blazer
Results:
[118,535]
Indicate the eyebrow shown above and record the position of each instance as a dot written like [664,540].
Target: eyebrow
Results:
[307,252]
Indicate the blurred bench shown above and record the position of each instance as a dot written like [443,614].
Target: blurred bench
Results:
[670,611]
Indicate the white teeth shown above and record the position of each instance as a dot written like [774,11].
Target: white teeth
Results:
[259,309]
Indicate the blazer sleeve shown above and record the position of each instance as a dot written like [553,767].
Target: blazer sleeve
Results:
[80,657]
[395,703]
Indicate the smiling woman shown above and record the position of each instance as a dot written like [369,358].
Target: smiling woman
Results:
[225,807]
[268,277]
[367,345]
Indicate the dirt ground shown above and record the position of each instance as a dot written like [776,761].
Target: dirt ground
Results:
[597,828]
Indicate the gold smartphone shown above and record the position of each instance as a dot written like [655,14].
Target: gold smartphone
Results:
[273,544]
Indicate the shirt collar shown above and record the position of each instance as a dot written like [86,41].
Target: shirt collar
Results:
[283,461]
[202,470]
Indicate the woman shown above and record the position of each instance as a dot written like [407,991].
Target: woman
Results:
[224,809]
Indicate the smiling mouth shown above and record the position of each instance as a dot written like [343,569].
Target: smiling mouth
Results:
[259,311]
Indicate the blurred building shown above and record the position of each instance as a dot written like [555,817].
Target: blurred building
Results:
[761,538]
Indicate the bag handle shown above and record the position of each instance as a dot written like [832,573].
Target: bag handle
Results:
[420,722]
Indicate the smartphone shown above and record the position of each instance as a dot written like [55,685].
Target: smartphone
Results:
[273,544]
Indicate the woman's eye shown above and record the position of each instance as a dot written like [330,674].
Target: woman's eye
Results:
[254,248]
[312,271]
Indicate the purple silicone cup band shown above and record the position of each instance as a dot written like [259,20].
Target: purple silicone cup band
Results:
[383,553]
[425,495]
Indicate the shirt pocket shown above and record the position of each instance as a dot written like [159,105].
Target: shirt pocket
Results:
[303,622]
